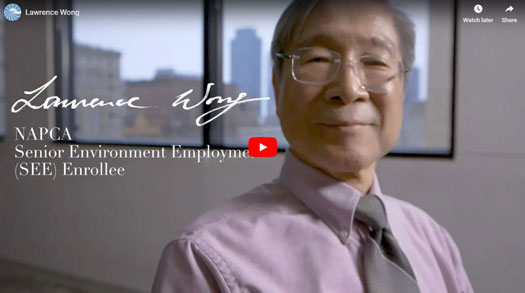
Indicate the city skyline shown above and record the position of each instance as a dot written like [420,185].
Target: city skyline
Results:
[165,48]
[95,67]
[169,40]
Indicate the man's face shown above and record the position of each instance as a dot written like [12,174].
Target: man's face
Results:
[341,126]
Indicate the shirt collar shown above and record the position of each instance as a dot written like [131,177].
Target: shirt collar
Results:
[333,201]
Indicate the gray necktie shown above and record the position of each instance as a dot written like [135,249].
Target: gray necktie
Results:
[386,268]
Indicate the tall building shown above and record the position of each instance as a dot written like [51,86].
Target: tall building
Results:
[255,119]
[97,75]
[271,117]
[164,123]
[246,62]
[412,92]
[412,135]
[246,69]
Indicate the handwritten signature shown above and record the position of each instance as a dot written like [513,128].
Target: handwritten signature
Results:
[182,99]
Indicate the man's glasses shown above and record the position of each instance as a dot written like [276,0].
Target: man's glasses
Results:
[319,66]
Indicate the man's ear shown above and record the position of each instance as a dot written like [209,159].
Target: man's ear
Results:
[276,89]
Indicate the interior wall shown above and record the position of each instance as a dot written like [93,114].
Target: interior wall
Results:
[113,229]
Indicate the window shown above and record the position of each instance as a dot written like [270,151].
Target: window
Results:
[151,50]
[428,107]
[119,52]
[427,121]
[247,67]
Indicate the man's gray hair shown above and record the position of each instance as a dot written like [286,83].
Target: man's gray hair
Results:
[296,14]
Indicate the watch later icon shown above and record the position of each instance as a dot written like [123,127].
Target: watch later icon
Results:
[478,8]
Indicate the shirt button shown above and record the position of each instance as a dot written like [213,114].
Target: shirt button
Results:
[343,234]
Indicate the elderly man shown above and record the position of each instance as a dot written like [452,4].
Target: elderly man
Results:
[324,224]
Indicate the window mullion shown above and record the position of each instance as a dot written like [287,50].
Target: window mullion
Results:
[213,132]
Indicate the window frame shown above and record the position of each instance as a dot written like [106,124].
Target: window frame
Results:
[4,114]
[212,133]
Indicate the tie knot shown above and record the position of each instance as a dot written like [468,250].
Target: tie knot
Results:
[371,212]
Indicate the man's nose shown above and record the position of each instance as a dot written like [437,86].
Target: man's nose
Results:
[347,88]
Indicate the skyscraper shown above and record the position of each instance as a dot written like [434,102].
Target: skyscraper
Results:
[412,92]
[97,75]
[246,67]
[412,134]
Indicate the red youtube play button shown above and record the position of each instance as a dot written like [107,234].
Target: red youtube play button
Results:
[262,147]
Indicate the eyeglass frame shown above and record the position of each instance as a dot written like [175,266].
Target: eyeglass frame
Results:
[293,57]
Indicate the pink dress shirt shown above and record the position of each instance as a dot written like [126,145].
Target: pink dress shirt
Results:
[297,234]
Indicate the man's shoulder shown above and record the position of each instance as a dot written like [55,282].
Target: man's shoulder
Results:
[407,208]
[418,221]
[240,212]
